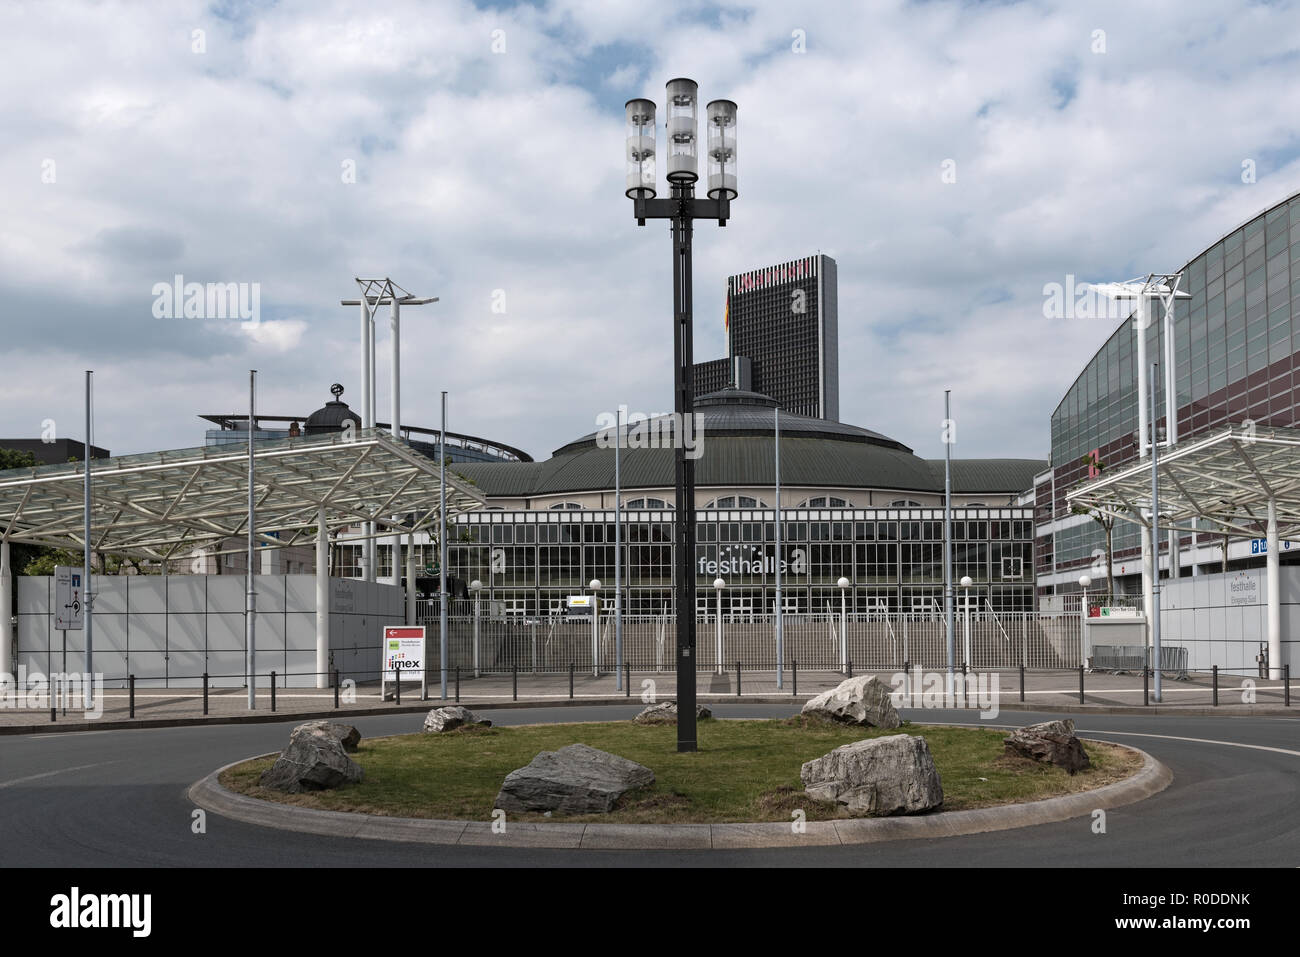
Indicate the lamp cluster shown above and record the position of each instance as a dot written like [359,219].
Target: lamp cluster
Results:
[682,132]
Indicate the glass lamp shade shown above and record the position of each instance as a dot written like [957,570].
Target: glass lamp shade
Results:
[683,134]
[721,123]
[640,149]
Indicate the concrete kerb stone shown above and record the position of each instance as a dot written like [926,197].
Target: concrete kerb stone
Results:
[1152,778]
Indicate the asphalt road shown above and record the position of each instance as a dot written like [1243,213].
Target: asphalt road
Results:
[118,798]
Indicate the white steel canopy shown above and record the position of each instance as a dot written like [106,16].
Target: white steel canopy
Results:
[162,505]
[1227,478]
[1242,479]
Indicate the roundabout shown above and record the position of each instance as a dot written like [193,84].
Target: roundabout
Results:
[210,793]
[122,798]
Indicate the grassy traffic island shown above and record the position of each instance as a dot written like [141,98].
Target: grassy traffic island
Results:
[745,771]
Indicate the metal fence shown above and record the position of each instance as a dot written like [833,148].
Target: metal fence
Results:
[495,645]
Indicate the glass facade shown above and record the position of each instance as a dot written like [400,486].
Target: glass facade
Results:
[533,560]
[1237,352]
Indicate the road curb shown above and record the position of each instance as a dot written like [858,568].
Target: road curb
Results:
[1152,778]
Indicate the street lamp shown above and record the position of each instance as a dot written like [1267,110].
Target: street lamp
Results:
[682,209]
[844,633]
[474,588]
[595,628]
[965,583]
[718,586]
[1084,582]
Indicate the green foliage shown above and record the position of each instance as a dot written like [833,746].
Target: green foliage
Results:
[14,459]
[44,561]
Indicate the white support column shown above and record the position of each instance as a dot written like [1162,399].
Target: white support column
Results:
[322,601]
[367,419]
[1142,321]
[410,578]
[1274,586]
[6,611]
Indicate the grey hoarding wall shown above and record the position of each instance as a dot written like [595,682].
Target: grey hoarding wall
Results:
[169,630]
[1223,619]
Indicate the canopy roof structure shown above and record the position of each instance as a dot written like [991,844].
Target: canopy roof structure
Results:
[163,505]
[1227,478]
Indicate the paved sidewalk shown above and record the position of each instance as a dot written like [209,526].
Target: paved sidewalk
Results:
[1044,691]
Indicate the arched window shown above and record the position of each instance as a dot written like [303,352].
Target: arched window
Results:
[825,501]
[648,503]
[904,503]
[572,505]
[737,501]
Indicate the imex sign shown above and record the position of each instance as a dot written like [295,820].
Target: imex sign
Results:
[403,652]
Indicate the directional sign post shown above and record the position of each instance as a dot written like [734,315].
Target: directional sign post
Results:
[69,603]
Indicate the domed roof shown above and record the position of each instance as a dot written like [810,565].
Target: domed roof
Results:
[331,416]
[734,449]
[737,412]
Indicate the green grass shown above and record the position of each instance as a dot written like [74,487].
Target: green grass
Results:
[744,770]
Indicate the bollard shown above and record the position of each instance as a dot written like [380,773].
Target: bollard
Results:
[272,690]
[336,687]
[850,669]
[54,702]
[1286,686]
[458,684]
[907,668]
[131,682]
[1022,684]
[963,684]
[737,679]
[514,683]
[570,680]
[794,677]
[1145,699]
[397,687]
[1080,684]
[1214,677]
[205,692]
[627,679]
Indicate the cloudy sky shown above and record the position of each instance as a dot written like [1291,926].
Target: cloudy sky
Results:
[474,152]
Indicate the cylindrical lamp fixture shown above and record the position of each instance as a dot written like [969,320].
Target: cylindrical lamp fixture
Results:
[683,100]
[721,121]
[641,134]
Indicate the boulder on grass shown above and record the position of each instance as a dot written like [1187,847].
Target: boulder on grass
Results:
[345,734]
[576,779]
[665,712]
[313,761]
[450,718]
[863,700]
[1052,742]
[890,775]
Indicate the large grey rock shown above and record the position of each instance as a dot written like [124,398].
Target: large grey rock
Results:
[450,718]
[313,761]
[862,700]
[1052,742]
[665,712]
[890,775]
[576,779]
[345,734]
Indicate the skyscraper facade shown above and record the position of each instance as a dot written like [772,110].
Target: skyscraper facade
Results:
[784,320]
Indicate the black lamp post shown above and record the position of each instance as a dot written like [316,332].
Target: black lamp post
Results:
[683,209]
